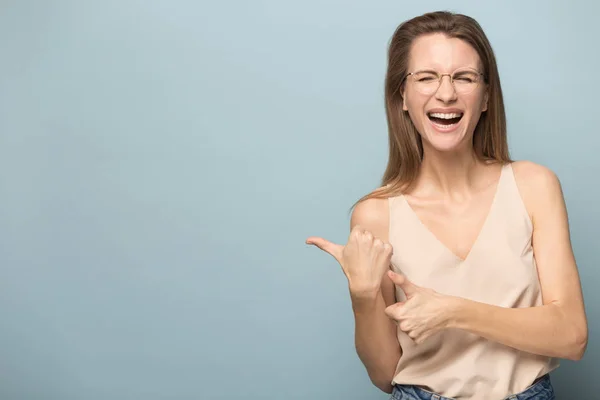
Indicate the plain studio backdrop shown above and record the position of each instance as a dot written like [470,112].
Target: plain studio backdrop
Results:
[162,162]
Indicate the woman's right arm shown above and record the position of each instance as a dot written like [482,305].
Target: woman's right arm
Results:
[375,334]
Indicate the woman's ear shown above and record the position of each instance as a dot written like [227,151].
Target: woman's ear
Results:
[485,101]
[404,107]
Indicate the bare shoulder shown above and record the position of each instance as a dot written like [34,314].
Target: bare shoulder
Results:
[528,172]
[538,185]
[373,215]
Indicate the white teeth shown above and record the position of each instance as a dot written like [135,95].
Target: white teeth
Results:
[445,116]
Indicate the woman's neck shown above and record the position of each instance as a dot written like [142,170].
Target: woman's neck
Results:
[449,174]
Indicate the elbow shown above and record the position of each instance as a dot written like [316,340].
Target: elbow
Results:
[578,344]
[383,381]
[384,385]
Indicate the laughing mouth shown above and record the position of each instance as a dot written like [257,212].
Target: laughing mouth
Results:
[445,119]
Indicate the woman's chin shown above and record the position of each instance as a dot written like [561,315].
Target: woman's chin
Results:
[446,142]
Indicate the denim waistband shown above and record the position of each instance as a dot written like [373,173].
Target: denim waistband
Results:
[541,390]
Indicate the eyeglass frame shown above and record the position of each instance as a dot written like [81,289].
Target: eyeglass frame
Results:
[441,76]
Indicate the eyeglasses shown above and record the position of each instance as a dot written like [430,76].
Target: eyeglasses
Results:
[464,80]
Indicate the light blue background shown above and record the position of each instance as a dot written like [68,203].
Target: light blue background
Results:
[162,162]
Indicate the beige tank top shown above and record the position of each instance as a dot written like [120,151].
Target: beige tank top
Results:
[500,270]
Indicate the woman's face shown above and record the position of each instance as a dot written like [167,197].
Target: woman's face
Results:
[445,116]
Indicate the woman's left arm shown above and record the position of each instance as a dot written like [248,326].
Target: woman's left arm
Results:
[558,328]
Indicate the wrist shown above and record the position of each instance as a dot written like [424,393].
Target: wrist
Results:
[364,301]
[456,312]
[363,292]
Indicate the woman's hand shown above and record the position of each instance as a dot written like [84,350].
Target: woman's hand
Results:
[424,313]
[364,259]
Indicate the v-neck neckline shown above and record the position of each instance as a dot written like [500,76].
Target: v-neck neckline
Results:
[479,233]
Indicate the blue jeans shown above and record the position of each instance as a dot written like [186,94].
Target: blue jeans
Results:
[541,390]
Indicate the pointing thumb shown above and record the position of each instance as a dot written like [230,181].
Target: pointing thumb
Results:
[334,249]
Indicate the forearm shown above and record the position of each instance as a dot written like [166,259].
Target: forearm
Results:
[376,339]
[545,330]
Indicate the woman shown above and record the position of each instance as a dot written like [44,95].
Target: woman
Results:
[460,268]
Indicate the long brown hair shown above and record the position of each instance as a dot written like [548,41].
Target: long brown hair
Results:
[405,144]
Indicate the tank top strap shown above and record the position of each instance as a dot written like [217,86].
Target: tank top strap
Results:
[510,198]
